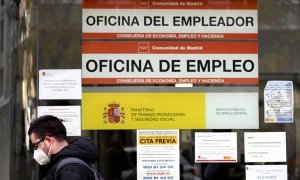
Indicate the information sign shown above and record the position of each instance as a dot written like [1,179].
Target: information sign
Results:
[169,62]
[169,110]
[215,147]
[265,146]
[70,115]
[150,19]
[279,102]
[158,154]
[59,84]
[259,172]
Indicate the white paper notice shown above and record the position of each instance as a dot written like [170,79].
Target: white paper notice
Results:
[265,146]
[71,116]
[215,147]
[279,102]
[274,172]
[158,154]
[60,84]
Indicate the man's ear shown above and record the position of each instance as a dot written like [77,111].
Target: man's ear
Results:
[49,139]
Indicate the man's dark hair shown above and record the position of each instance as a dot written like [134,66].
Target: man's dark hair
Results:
[48,126]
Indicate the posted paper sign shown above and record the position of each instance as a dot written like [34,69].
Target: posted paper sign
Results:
[215,147]
[150,19]
[279,102]
[158,154]
[169,62]
[265,146]
[71,116]
[267,172]
[60,84]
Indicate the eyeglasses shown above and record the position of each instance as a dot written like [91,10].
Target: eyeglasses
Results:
[35,145]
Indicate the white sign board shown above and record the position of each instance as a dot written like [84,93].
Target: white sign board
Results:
[59,84]
[158,154]
[162,20]
[265,146]
[215,147]
[71,116]
[169,62]
[259,172]
[279,102]
[150,19]
[232,110]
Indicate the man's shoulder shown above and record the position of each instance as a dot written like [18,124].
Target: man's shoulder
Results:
[71,164]
[64,168]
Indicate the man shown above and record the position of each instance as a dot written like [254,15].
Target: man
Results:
[48,136]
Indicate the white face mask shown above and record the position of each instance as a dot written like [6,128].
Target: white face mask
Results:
[40,156]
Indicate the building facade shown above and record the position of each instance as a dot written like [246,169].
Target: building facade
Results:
[47,34]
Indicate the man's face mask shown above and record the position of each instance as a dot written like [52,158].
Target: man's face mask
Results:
[40,156]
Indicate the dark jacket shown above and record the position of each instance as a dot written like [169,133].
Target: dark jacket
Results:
[82,148]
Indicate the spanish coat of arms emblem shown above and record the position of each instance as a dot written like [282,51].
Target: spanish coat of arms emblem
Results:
[113,114]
